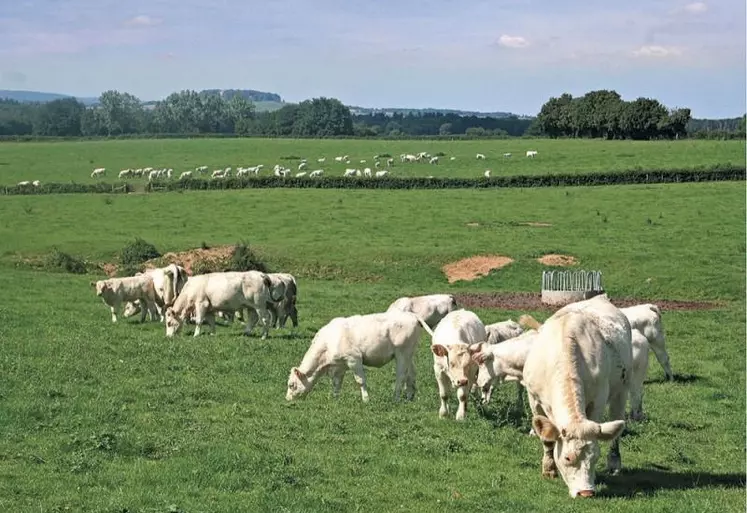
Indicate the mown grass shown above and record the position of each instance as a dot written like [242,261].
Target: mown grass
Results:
[74,161]
[97,417]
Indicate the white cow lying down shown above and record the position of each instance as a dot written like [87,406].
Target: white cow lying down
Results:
[646,318]
[206,294]
[115,292]
[580,363]
[457,337]
[371,340]
[431,308]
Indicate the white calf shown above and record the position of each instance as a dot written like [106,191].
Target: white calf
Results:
[646,318]
[115,292]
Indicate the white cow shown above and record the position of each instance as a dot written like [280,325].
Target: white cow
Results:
[646,318]
[433,160]
[580,363]
[125,173]
[36,183]
[285,286]
[115,292]
[506,155]
[431,308]
[531,153]
[480,156]
[206,294]
[301,174]
[185,174]
[640,369]
[486,174]
[168,282]
[99,171]
[457,337]
[302,166]
[317,172]
[351,172]
[503,362]
[382,173]
[367,172]
[504,330]
[356,342]
[24,183]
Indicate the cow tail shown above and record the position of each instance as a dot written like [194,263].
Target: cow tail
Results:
[424,325]
[527,321]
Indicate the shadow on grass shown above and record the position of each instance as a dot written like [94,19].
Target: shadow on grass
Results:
[504,414]
[632,482]
[678,378]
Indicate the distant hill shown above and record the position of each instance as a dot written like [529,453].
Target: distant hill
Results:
[38,97]
[249,94]
[364,111]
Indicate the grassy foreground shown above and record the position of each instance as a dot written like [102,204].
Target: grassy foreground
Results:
[74,161]
[97,417]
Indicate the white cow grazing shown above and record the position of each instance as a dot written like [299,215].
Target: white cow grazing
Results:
[646,318]
[506,155]
[321,160]
[185,174]
[504,330]
[433,160]
[168,282]
[302,166]
[36,183]
[480,156]
[206,294]
[99,171]
[452,158]
[640,369]
[431,308]
[531,153]
[486,174]
[301,174]
[356,342]
[382,173]
[367,172]
[390,162]
[24,183]
[317,172]
[350,172]
[125,173]
[580,363]
[457,337]
[115,292]
[503,362]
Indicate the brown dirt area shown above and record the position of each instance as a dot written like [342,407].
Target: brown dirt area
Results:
[535,223]
[557,260]
[185,259]
[532,301]
[471,268]
[472,224]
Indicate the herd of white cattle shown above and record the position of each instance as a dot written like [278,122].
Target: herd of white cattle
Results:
[302,170]
[587,357]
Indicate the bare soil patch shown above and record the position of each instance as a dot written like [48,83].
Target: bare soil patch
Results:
[557,260]
[471,268]
[533,301]
[473,224]
[536,224]
[109,269]
[189,257]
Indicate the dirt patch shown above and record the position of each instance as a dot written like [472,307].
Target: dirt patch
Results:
[471,268]
[473,224]
[109,269]
[188,258]
[536,224]
[533,301]
[557,260]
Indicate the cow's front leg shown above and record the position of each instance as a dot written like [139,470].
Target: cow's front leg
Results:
[463,396]
[337,373]
[616,412]
[444,389]
[549,469]
[400,376]
[210,318]
[359,373]
[114,313]
[265,319]
[410,387]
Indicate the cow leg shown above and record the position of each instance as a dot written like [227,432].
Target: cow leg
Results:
[401,375]
[617,404]
[636,388]
[359,373]
[250,319]
[200,312]
[410,387]
[210,318]
[661,355]
[264,317]
[463,396]
[294,315]
[519,396]
[114,313]
[549,469]
[444,390]
[338,373]
[272,310]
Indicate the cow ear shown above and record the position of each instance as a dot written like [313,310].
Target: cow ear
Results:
[611,430]
[545,429]
[475,348]
[439,350]
[298,373]
[480,357]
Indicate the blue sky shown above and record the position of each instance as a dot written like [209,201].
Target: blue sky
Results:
[507,55]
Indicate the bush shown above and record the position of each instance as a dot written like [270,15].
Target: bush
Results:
[244,259]
[208,265]
[138,252]
[129,270]
[290,157]
[63,262]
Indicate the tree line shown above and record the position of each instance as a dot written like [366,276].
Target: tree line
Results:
[599,114]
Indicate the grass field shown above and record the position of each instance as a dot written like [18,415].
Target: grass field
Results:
[98,417]
[74,161]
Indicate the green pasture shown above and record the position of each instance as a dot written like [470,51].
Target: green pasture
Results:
[74,161]
[114,418]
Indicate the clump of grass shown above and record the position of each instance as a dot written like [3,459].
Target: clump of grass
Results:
[138,252]
[128,270]
[290,157]
[244,259]
[204,245]
[63,262]
[440,154]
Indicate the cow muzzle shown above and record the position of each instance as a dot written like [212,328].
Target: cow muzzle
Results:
[586,493]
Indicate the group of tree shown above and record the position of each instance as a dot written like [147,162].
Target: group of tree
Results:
[604,114]
[600,114]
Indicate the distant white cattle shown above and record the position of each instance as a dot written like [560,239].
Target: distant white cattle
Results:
[317,172]
[357,342]
[381,173]
[24,183]
[99,171]
[301,174]
[433,160]
[480,156]
[431,308]
[185,174]
[531,153]
[506,155]
[36,183]
[486,174]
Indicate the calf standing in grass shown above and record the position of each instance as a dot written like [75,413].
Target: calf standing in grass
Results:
[503,362]
[115,292]
[356,342]
[431,308]
[457,337]
[646,318]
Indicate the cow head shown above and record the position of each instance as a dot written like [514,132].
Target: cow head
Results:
[576,451]
[298,385]
[460,366]
[173,322]
[132,308]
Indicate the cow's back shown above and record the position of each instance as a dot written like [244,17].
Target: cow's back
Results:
[461,326]
[375,337]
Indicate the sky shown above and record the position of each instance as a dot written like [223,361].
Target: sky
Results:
[485,55]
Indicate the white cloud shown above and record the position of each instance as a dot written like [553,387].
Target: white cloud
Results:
[657,51]
[142,20]
[696,8]
[513,41]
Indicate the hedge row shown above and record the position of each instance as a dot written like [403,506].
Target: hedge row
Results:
[393,182]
